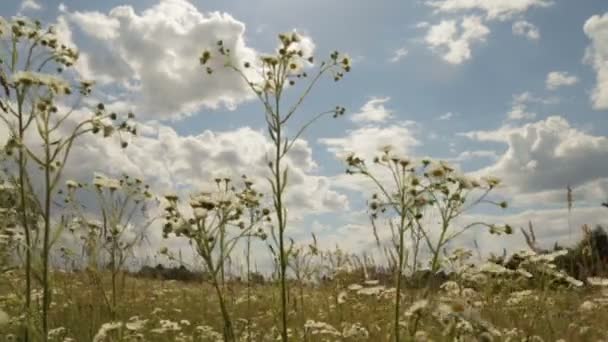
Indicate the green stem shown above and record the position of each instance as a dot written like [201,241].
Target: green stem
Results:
[46,299]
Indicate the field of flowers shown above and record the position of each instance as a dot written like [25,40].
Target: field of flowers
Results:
[488,304]
[66,245]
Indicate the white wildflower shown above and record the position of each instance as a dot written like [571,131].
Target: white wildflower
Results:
[102,333]
[135,323]
[70,184]
[519,297]
[596,281]
[4,318]
[355,331]
[320,328]
[354,287]
[56,84]
[417,308]
[587,306]
[371,291]
[101,181]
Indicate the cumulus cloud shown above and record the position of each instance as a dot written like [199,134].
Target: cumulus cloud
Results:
[154,55]
[373,111]
[398,55]
[547,156]
[521,102]
[454,46]
[550,226]
[368,141]
[496,9]
[526,29]
[556,79]
[596,29]
[29,5]
[519,109]
[469,155]
[453,41]
[446,116]
[170,162]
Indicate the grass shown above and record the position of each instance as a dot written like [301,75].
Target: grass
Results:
[189,311]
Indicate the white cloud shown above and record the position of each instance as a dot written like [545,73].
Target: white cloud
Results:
[596,28]
[519,105]
[494,9]
[556,79]
[373,111]
[468,155]
[519,110]
[29,5]
[398,55]
[526,29]
[550,226]
[368,141]
[154,56]
[446,116]
[452,41]
[170,162]
[547,156]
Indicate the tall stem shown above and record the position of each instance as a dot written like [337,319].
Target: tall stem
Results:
[46,300]
[28,239]
[248,257]
[228,330]
[399,276]
[114,273]
[281,223]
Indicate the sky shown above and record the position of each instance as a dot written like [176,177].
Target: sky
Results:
[517,89]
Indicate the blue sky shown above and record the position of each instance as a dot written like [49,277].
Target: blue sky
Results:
[519,76]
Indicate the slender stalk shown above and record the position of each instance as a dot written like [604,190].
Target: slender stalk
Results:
[399,276]
[281,223]
[24,223]
[228,329]
[248,258]
[46,299]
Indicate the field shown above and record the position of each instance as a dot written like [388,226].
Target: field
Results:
[342,309]
[89,189]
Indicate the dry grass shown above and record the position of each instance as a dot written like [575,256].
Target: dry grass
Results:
[185,309]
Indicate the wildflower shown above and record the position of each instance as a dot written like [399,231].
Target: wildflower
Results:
[492,181]
[587,306]
[450,287]
[596,281]
[354,287]
[56,84]
[519,297]
[71,184]
[421,336]
[4,318]
[371,291]
[573,281]
[417,308]
[135,323]
[437,171]
[371,282]
[355,331]
[101,181]
[55,333]
[320,328]
[342,297]
[102,333]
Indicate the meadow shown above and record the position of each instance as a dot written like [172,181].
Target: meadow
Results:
[66,246]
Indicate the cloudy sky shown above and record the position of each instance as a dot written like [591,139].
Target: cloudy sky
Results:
[513,88]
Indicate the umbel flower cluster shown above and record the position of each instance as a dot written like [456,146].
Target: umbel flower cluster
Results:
[214,211]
